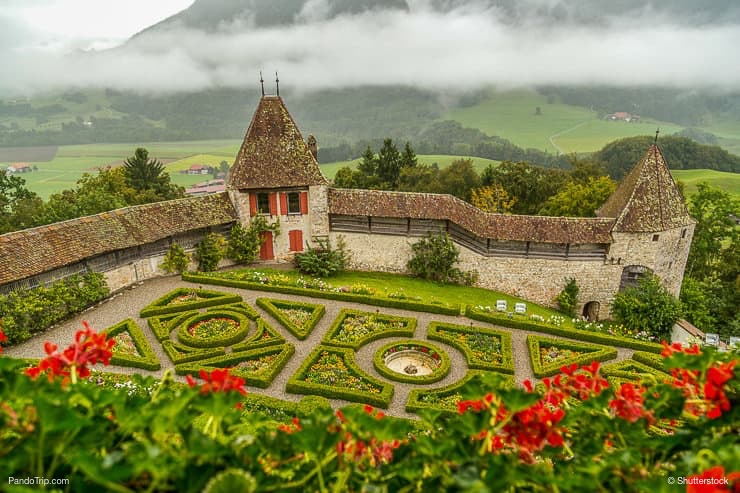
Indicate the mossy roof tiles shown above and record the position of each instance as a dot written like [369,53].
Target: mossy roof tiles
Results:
[33,251]
[274,154]
[648,199]
[503,227]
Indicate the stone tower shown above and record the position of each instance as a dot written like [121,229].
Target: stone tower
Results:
[652,230]
[276,175]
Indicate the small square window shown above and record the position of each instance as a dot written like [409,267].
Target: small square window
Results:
[294,203]
[263,203]
[655,237]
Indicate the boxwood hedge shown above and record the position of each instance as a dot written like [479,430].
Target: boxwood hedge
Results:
[237,335]
[275,308]
[418,306]
[408,326]
[631,368]
[163,325]
[438,374]
[298,384]
[518,322]
[261,378]
[438,331]
[180,353]
[146,359]
[650,359]
[265,335]
[160,306]
[242,307]
[594,353]
[445,398]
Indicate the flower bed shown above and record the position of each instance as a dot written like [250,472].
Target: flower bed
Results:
[548,355]
[131,347]
[440,361]
[446,398]
[299,318]
[184,299]
[179,353]
[354,328]
[484,349]
[242,307]
[258,367]
[315,289]
[213,329]
[524,323]
[332,372]
[163,325]
[265,335]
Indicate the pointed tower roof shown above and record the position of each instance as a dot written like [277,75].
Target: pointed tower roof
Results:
[274,154]
[648,199]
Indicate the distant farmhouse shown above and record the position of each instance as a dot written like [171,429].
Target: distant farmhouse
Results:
[643,227]
[198,169]
[19,168]
[210,186]
[623,116]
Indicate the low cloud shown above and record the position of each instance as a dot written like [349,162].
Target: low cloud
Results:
[458,50]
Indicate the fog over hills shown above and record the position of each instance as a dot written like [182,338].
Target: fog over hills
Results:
[438,45]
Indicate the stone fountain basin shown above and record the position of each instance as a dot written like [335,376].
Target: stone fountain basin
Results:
[402,361]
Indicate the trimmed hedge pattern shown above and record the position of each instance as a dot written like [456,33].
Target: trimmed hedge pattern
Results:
[261,377]
[161,306]
[438,374]
[581,335]
[594,352]
[145,359]
[180,353]
[240,333]
[264,336]
[346,356]
[408,326]
[416,306]
[275,308]
[445,398]
[652,360]
[439,331]
[633,369]
[242,307]
[163,325]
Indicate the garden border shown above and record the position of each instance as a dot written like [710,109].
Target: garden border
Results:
[272,306]
[414,405]
[241,307]
[581,335]
[296,385]
[415,306]
[253,342]
[650,359]
[438,374]
[170,347]
[241,332]
[602,353]
[616,370]
[507,355]
[148,359]
[159,306]
[407,331]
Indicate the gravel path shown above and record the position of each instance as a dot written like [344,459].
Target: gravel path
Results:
[128,303]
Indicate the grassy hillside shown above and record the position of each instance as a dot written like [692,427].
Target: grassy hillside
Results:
[479,163]
[559,128]
[729,182]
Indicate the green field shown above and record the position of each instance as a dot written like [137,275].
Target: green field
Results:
[561,127]
[730,182]
[70,162]
[479,163]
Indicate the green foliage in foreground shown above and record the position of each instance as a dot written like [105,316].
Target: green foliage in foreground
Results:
[102,439]
[649,307]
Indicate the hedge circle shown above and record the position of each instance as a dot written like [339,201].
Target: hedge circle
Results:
[421,362]
[231,328]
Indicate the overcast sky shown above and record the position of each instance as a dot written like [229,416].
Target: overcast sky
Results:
[42,45]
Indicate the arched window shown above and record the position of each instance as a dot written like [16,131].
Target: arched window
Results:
[632,274]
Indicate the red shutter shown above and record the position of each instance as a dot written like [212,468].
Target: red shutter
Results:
[296,240]
[283,204]
[304,202]
[291,239]
[273,204]
[252,204]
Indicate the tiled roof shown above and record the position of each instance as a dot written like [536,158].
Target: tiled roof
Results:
[485,225]
[33,251]
[274,154]
[647,200]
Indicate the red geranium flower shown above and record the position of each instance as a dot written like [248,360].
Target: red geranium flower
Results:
[219,380]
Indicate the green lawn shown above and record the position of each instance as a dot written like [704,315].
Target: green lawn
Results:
[426,291]
[729,182]
[330,169]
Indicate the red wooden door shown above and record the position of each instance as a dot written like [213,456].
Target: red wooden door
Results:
[266,252]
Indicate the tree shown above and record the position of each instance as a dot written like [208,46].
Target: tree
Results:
[493,198]
[389,165]
[435,257]
[210,251]
[648,307]
[696,298]
[176,259]
[531,185]
[148,176]
[15,197]
[244,243]
[408,157]
[579,199]
[567,299]
[458,179]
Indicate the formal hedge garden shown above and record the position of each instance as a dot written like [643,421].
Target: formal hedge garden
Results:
[355,328]
[548,355]
[131,347]
[484,349]
[440,361]
[299,318]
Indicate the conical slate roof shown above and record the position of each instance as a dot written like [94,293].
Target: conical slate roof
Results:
[648,199]
[274,154]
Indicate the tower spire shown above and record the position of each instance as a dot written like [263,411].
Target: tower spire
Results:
[277,83]
[657,131]
[262,83]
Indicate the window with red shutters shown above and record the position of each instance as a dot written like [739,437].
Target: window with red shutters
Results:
[283,204]
[304,202]
[252,204]
[273,204]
